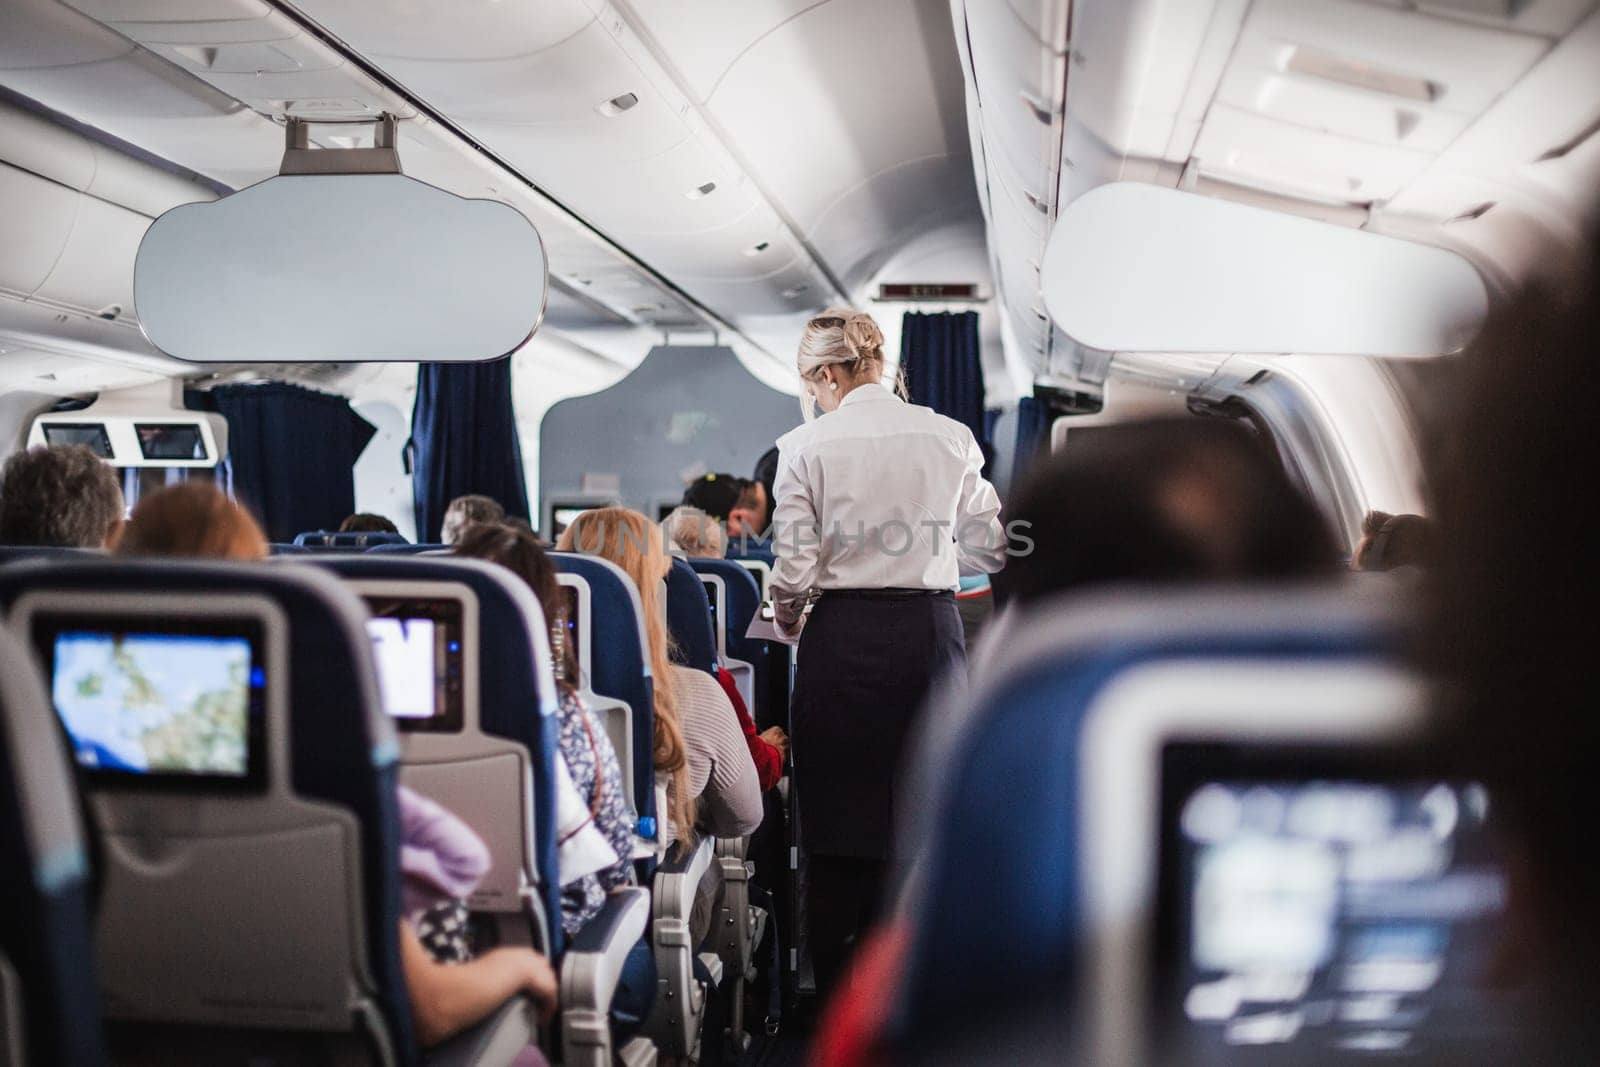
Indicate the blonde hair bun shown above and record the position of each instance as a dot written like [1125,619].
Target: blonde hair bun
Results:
[861,333]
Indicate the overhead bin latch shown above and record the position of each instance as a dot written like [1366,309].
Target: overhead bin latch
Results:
[299,157]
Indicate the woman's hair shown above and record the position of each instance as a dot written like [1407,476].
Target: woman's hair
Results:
[634,543]
[845,338]
[1179,499]
[518,551]
[194,520]
[1514,582]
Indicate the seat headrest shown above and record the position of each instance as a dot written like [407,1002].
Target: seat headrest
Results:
[342,748]
[689,618]
[517,697]
[348,539]
[1037,676]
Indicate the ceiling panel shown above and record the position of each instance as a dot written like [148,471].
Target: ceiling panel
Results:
[846,134]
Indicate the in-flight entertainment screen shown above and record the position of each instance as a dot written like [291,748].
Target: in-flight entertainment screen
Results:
[1312,910]
[562,515]
[91,435]
[164,440]
[711,598]
[568,632]
[416,647]
[159,702]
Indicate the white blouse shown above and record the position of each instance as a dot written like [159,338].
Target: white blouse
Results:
[880,494]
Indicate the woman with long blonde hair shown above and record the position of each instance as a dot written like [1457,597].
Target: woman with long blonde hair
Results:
[699,746]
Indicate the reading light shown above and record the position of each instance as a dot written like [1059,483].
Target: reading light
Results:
[794,291]
[758,248]
[700,192]
[616,105]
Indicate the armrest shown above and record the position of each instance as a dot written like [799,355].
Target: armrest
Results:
[593,961]
[674,1022]
[590,971]
[678,876]
[497,1040]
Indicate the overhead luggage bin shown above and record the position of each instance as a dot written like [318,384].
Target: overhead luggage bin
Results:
[1140,268]
[349,261]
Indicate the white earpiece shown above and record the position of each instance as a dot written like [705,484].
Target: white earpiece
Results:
[834,386]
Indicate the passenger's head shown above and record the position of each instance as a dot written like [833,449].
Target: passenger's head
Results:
[516,549]
[766,473]
[466,510]
[1391,541]
[716,494]
[1170,500]
[366,522]
[749,515]
[64,496]
[695,534]
[194,520]
[636,544]
[839,350]
[1516,586]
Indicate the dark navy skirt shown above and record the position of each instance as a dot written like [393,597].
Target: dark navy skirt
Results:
[867,661]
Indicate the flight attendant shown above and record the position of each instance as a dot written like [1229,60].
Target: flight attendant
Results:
[880,507]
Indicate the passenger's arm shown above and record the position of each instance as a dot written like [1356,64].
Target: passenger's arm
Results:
[766,756]
[437,847]
[980,539]
[796,539]
[447,998]
[731,802]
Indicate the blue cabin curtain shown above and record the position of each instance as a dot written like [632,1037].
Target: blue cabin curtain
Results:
[291,453]
[943,366]
[1033,435]
[464,440]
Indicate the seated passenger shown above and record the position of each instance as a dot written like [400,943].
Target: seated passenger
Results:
[694,534]
[738,502]
[1166,500]
[197,520]
[587,750]
[699,745]
[62,496]
[1392,541]
[367,522]
[765,474]
[1516,579]
[464,511]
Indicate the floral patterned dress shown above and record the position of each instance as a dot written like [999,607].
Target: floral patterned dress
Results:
[598,776]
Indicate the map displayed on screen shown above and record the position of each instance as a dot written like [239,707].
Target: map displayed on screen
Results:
[149,703]
[404,652]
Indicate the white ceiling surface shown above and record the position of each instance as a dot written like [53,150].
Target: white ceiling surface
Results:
[1432,121]
[829,133]
[832,131]
[166,96]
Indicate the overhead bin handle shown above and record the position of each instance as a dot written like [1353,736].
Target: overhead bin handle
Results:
[300,158]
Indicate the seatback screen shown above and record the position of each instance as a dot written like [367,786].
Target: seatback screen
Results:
[416,648]
[159,440]
[92,435]
[567,630]
[1314,912]
[158,702]
[711,598]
